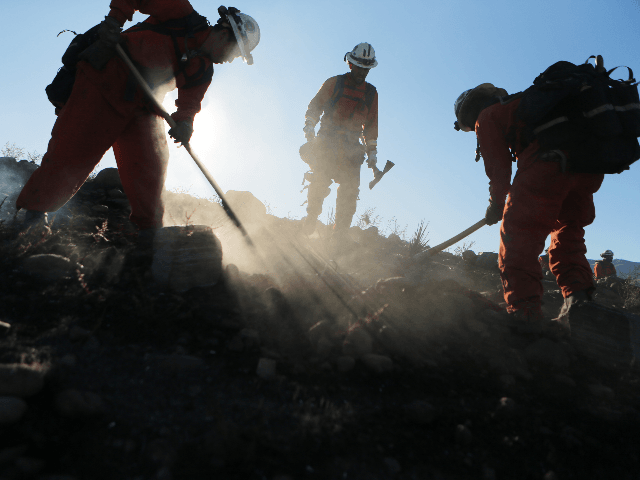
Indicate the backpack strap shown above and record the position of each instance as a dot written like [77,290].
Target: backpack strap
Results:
[338,92]
[184,27]
[369,95]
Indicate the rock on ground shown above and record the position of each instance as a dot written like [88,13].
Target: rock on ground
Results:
[21,380]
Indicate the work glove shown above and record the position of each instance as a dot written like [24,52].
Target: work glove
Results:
[309,129]
[309,132]
[182,132]
[494,213]
[372,160]
[102,50]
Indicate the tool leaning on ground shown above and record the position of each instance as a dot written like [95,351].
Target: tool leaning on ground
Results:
[143,84]
[438,248]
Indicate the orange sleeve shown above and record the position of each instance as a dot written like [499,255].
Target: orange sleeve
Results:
[189,102]
[316,106]
[597,270]
[495,151]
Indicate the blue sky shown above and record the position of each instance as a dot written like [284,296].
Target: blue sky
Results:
[250,129]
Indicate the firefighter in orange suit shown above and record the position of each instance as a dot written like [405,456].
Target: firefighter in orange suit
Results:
[174,47]
[543,200]
[605,267]
[349,129]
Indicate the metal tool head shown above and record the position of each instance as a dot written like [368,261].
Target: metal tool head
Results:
[378,176]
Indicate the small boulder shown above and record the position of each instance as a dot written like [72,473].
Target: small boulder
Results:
[11,409]
[48,267]
[463,435]
[4,328]
[345,363]
[77,403]
[547,353]
[108,179]
[21,380]
[266,368]
[175,362]
[246,206]
[357,343]
[421,412]
[377,363]
[186,257]
[601,391]
[250,338]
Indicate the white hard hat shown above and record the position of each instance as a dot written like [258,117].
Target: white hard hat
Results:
[246,31]
[363,55]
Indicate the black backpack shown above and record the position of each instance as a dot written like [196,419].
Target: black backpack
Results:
[59,90]
[580,109]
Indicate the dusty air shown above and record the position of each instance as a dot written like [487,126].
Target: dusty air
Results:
[151,333]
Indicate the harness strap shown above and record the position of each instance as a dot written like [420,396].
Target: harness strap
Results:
[338,93]
[185,27]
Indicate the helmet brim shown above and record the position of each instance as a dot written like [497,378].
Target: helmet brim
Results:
[348,57]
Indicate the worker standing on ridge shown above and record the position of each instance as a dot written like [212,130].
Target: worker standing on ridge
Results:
[174,47]
[605,268]
[544,263]
[349,109]
[542,200]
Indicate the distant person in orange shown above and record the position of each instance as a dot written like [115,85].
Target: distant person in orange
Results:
[349,109]
[605,268]
[544,262]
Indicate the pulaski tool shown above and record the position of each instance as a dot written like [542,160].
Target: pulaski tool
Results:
[378,174]
[438,248]
[143,84]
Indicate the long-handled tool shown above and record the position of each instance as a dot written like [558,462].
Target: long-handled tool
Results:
[377,174]
[143,84]
[438,248]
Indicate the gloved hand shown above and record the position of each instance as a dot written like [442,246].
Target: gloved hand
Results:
[494,212]
[182,132]
[372,160]
[309,131]
[110,32]
[101,51]
[309,128]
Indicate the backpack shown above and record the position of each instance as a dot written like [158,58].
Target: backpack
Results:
[581,110]
[59,90]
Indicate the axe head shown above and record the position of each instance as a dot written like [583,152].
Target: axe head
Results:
[378,176]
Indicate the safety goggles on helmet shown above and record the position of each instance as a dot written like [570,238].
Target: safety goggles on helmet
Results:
[606,253]
[245,29]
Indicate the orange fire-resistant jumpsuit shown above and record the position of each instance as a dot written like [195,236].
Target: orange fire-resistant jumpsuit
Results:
[349,113]
[542,200]
[106,109]
[603,269]
[544,262]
